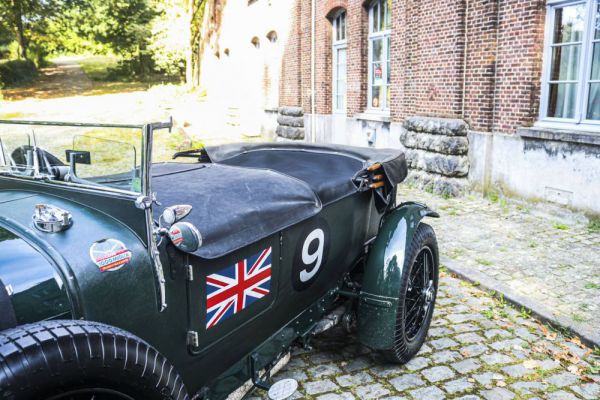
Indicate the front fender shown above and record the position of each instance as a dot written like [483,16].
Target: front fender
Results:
[378,300]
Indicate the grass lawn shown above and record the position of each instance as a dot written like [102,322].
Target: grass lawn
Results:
[96,67]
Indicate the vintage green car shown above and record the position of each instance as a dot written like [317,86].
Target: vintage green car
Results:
[126,277]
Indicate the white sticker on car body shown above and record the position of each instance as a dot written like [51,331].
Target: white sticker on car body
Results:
[110,255]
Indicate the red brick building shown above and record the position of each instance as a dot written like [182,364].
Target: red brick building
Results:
[480,93]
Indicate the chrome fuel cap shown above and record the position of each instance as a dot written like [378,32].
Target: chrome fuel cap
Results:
[51,219]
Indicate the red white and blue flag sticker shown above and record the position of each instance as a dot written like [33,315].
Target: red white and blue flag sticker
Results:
[110,255]
[234,288]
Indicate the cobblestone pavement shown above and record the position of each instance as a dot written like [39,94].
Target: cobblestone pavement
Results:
[546,255]
[478,348]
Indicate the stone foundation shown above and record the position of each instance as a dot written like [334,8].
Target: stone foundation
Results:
[437,154]
[290,122]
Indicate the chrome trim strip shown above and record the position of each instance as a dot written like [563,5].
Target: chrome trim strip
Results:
[150,228]
[83,187]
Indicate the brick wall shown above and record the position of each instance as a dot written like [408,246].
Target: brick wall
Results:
[503,61]
[520,49]
[482,44]
[291,79]
[430,48]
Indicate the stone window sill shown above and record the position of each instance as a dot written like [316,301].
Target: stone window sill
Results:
[560,135]
[374,117]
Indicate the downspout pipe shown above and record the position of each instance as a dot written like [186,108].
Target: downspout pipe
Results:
[313,77]
[465,59]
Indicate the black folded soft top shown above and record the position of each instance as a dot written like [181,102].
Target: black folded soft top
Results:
[247,192]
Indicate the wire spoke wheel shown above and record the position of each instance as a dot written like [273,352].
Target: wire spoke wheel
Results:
[420,293]
[416,296]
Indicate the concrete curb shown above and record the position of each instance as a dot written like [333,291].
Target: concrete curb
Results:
[587,335]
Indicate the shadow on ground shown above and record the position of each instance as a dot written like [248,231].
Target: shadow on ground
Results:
[66,79]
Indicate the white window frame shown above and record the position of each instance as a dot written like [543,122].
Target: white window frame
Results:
[384,35]
[580,122]
[336,46]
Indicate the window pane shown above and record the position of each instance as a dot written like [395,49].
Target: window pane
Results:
[375,17]
[596,62]
[341,56]
[565,62]
[377,97]
[389,96]
[389,67]
[377,50]
[388,15]
[343,20]
[598,22]
[569,23]
[593,111]
[377,74]
[389,73]
[562,99]
[382,8]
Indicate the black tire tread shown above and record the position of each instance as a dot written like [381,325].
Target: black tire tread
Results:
[52,355]
[401,353]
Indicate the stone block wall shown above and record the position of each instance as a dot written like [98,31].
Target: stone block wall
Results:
[290,123]
[437,154]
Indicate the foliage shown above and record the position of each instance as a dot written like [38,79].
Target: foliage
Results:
[28,21]
[76,31]
[170,37]
[149,36]
[6,39]
[125,27]
[16,71]
[561,227]
[594,225]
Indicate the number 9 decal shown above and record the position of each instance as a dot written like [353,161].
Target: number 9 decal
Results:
[311,254]
[316,257]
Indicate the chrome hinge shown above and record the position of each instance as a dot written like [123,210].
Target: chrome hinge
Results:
[192,339]
[189,273]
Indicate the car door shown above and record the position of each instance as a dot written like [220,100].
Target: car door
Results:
[230,300]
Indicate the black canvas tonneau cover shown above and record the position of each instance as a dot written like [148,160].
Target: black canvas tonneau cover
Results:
[250,191]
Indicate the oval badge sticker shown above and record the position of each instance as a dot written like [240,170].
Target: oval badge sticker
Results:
[110,255]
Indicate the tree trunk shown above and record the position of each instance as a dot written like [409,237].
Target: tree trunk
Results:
[20,29]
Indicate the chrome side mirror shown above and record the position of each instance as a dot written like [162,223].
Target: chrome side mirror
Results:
[176,213]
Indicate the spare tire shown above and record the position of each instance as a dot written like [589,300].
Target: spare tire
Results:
[83,360]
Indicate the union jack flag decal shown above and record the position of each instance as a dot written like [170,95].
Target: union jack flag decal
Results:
[234,288]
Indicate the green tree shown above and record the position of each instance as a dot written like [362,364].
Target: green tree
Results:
[125,27]
[28,19]
[75,31]
[170,37]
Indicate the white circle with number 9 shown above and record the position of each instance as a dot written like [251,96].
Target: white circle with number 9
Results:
[316,257]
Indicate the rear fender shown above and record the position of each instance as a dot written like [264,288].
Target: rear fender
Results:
[378,300]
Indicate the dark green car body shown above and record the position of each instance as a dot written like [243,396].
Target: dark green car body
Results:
[159,295]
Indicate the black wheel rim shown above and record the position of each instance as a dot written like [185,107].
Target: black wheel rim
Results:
[420,294]
[92,394]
